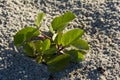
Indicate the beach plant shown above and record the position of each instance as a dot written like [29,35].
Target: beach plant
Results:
[58,47]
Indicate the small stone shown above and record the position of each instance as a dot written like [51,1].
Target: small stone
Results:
[90,18]
[0,59]
[102,77]
[117,78]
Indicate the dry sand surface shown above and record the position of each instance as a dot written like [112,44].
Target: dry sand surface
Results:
[100,19]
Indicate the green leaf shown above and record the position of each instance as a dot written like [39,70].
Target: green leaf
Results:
[75,55]
[58,63]
[29,49]
[71,36]
[82,51]
[50,51]
[46,44]
[39,18]
[51,29]
[58,38]
[25,34]
[49,54]
[81,56]
[80,44]
[38,45]
[59,23]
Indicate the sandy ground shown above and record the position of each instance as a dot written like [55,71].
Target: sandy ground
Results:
[100,19]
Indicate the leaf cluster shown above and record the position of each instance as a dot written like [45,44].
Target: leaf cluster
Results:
[56,50]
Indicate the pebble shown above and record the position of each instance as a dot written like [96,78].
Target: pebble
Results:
[0,58]
[102,77]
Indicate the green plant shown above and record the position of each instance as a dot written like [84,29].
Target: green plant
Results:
[56,50]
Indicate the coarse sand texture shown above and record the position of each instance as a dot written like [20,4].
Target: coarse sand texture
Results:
[100,19]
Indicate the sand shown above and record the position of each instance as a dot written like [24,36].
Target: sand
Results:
[100,19]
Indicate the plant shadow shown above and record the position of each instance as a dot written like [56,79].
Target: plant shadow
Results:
[16,66]
[78,71]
